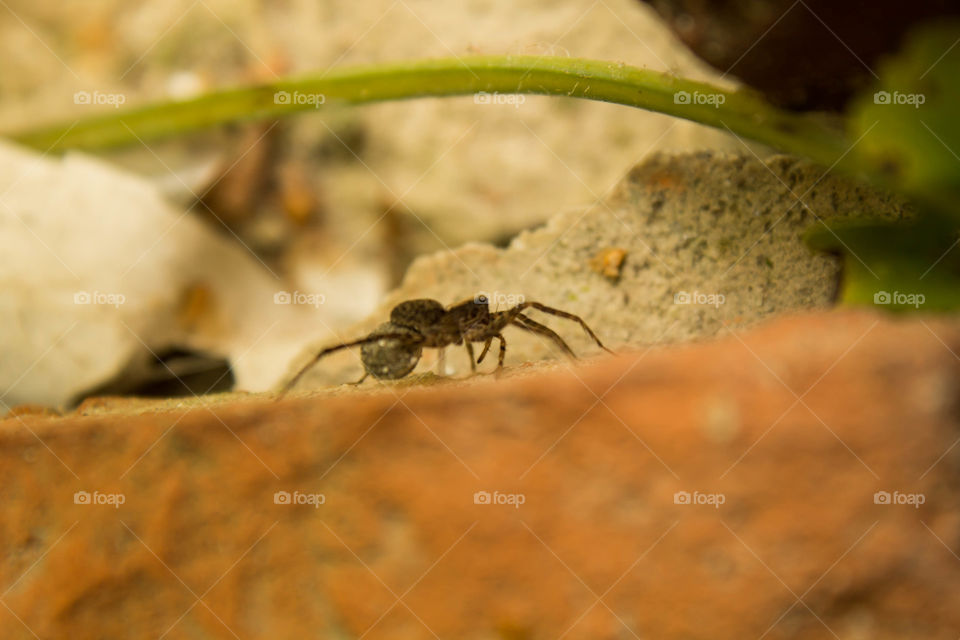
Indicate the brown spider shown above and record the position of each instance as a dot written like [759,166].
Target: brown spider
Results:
[393,349]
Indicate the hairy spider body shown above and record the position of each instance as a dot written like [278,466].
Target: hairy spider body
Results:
[425,317]
[393,349]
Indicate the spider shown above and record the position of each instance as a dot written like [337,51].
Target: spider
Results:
[393,349]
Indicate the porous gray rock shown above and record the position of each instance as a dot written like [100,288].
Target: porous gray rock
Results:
[708,241]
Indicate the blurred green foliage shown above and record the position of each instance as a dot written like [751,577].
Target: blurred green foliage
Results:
[899,267]
[907,133]
[909,127]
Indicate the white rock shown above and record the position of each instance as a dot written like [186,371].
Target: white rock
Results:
[94,264]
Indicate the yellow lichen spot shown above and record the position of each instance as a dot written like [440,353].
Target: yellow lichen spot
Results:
[608,262]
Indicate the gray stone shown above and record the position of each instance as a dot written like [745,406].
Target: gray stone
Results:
[711,241]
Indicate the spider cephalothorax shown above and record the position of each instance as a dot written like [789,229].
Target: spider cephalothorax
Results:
[393,349]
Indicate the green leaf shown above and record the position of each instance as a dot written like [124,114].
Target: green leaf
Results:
[895,266]
[742,112]
[908,127]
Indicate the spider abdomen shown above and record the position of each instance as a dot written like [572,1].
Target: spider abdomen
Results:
[417,314]
[392,358]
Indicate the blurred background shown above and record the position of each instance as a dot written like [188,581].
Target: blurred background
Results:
[333,204]
[210,262]
[784,481]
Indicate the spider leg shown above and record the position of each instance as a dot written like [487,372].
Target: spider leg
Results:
[325,352]
[473,363]
[441,361]
[568,316]
[486,347]
[524,322]
[503,351]
[362,378]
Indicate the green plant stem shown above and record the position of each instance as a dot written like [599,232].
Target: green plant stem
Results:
[742,113]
